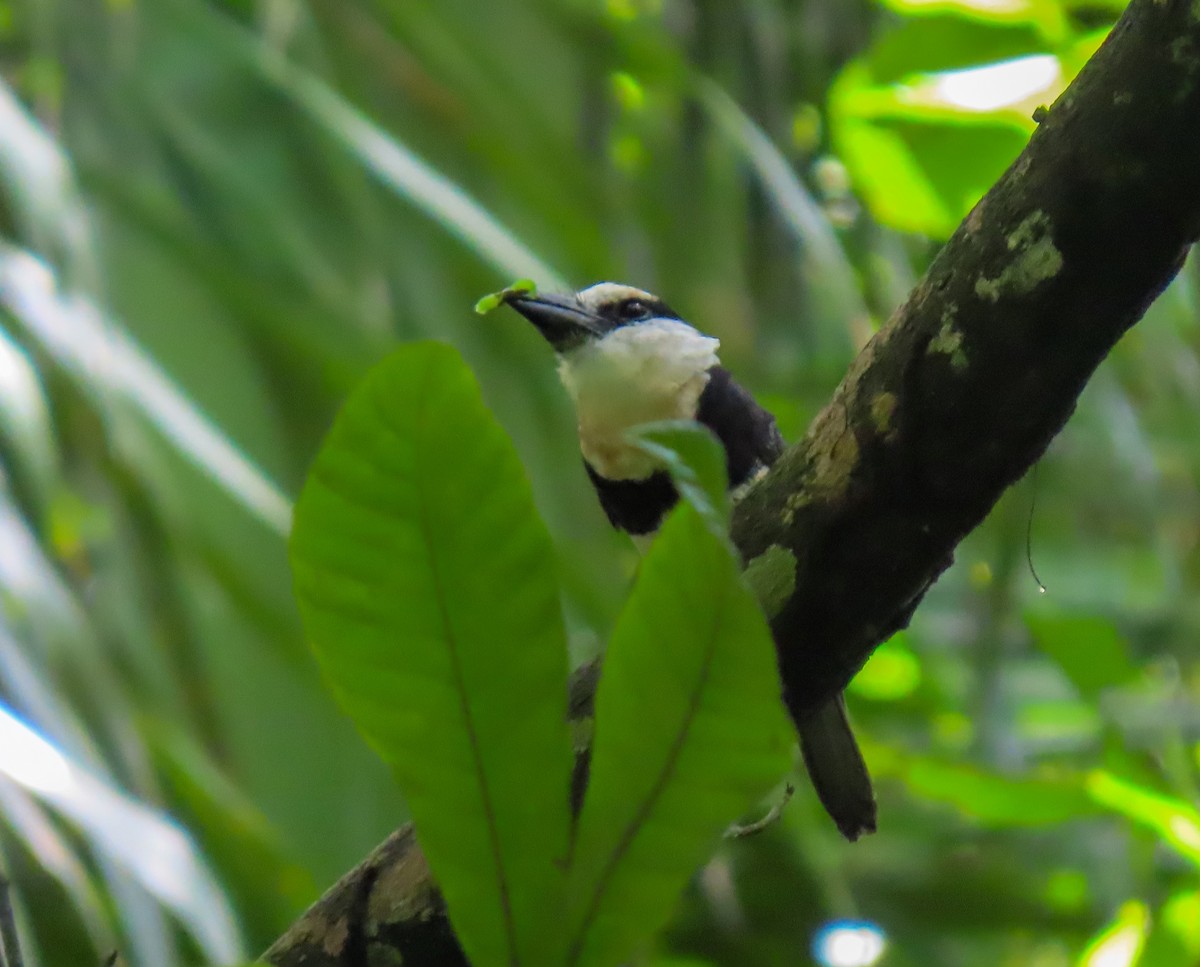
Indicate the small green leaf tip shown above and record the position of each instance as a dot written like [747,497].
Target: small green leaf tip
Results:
[493,299]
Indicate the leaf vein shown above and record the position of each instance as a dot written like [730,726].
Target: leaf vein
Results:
[472,735]
[634,826]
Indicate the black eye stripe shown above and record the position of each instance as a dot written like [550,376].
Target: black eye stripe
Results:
[633,309]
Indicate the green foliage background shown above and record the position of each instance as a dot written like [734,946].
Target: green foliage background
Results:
[216,215]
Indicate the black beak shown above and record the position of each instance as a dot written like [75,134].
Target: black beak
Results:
[561,319]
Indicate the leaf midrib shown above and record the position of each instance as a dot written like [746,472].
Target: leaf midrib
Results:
[465,709]
[634,826]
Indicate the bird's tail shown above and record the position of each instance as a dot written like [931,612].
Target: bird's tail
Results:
[837,769]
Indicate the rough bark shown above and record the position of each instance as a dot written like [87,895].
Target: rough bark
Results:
[952,401]
[387,910]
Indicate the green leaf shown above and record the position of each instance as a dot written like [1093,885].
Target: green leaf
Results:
[689,732]
[694,458]
[1175,821]
[493,300]
[1088,648]
[996,800]
[426,584]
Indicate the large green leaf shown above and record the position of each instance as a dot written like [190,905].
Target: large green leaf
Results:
[689,731]
[425,580]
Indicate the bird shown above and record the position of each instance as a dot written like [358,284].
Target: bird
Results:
[626,358]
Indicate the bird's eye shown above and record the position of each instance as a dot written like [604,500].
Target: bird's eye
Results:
[632,309]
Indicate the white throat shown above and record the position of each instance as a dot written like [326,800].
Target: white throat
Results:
[640,373]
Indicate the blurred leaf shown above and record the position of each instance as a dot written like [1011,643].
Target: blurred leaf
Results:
[934,113]
[425,580]
[38,178]
[996,800]
[893,672]
[1120,943]
[689,732]
[403,172]
[234,834]
[1175,821]
[110,367]
[936,44]
[151,849]
[918,151]
[1067,890]
[1046,15]
[828,270]
[40,603]
[25,425]
[1175,936]
[1058,723]
[381,153]
[1088,648]
[1082,7]
[28,822]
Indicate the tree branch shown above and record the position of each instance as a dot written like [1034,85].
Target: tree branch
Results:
[387,910]
[963,389]
[952,401]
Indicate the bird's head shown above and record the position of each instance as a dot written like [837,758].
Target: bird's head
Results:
[625,358]
[570,321]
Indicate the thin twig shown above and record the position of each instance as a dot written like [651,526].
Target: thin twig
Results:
[738,832]
[1029,529]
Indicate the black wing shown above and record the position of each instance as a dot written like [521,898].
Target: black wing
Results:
[747,431]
